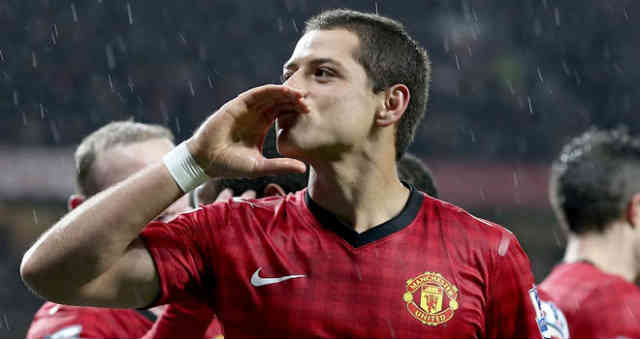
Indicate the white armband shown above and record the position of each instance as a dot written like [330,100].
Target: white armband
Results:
[184,169]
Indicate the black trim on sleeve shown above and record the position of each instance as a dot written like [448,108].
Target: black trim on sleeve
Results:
[355,239]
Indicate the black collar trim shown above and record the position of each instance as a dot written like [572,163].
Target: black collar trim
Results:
[355,239]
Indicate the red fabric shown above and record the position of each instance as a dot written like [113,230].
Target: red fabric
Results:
[186,320]
[442,254]
[596,304]
[95,322]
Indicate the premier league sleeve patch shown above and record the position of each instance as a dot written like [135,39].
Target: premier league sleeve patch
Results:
[540,317]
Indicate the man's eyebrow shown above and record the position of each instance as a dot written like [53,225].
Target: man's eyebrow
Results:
[314,62]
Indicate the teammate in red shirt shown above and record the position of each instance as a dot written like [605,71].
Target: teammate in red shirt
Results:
[355,254]
[104,158]
[595,193]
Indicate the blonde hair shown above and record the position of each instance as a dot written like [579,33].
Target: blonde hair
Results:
[116,133]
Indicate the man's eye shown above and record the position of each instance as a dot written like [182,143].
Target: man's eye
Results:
[322,73]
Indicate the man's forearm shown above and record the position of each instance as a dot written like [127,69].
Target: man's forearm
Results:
[90,239]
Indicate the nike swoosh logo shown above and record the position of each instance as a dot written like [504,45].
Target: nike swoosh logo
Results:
[257,280]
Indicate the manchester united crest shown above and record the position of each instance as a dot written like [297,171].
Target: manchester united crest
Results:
[431,298]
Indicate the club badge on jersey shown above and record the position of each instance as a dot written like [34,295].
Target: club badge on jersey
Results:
[431,298]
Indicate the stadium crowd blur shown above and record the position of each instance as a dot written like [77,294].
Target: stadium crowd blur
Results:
[512,81]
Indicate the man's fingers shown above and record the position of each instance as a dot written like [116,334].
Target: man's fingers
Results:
[277,166]
[249,194]
[225,195]
[268,95]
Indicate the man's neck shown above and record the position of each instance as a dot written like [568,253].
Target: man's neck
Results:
[610,251]
[362,192]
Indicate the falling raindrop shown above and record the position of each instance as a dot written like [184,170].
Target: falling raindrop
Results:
[295,27]
[556,237]
[15,98]
[393,335]
[503,246]
[539,74]
[577,76]
[280,25]
[177,124]
[210,81]
[182,38]
[1,56]
[34,60]
[469,51]
[74,12]
[55,30]
[376,4]
[530,102]
[191,90]
[110,81]
[35,216]
[565,68]
[544,4]
[41,111]
[111,59]
[24,118]
[556,14]
[53,38]
[129,13]
[54,131]
[626,14]
[457,62]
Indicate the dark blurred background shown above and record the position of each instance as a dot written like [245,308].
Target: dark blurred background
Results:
[512,81]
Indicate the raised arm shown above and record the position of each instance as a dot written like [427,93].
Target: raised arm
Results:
[93,255]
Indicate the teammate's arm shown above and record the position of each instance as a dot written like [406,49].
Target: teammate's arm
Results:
[93,255]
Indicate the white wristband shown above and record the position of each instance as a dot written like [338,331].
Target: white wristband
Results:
[184,169]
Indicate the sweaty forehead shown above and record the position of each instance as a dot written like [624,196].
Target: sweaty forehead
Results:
[338,44]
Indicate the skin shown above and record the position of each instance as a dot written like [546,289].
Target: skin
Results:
[347,139]
[118,163]
[616,250]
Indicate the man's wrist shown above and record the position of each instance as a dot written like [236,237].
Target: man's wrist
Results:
[184,169]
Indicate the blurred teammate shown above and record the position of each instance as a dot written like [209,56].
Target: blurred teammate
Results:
[104,158]
[595,193]
[356,254]
[414,171]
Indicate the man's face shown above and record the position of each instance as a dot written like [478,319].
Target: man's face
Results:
[120,162]
[338,93]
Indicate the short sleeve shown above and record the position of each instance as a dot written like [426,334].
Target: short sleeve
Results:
[512,294]
[181,253]
[187,319]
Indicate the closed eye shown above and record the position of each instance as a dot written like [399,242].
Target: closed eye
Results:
[322,72]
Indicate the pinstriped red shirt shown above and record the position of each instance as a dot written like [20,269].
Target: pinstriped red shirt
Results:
[285,267]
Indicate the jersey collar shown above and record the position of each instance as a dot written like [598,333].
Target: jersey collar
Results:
[355,239]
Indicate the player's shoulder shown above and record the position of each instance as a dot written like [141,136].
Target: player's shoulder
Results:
[455,217]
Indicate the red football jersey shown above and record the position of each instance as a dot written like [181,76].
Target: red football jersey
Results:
[596,304]
[285,267]
[186,320]
[62,321]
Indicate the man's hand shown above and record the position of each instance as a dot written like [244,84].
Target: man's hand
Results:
[229,143]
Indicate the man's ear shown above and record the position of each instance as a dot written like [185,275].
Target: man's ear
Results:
[633,210]
[75,200]
[274,190]
[396,100]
